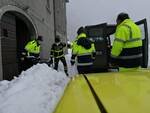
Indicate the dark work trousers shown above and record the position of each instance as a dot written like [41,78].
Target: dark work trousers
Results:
[127,63]
[29,62]
[84,69]
[63,60]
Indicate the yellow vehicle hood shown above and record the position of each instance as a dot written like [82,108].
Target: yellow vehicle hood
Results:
[118,92]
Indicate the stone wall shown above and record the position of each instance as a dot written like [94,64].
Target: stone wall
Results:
[41,13]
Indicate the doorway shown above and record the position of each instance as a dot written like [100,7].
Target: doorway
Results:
[16,31]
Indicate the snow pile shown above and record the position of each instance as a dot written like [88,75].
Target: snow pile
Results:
[36,90]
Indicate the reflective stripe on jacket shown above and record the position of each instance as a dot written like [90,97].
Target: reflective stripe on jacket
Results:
[57,50]
[82,35]
[84,56]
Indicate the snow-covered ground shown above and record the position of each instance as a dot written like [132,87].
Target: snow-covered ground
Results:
[36,90]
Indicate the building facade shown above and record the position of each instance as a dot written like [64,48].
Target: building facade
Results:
[23,20]
[60,18]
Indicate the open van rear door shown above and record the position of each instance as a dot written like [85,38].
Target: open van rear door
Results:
[143,25]
[102,36]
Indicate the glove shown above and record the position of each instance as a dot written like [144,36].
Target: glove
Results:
[22,58]
[72,62]
[23,53]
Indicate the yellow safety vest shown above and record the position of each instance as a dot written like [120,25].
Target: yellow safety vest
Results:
[83,53]
[128,35]
[32,47]
[79,50]
[74,43]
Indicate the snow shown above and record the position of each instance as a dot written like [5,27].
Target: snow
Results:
[36,90]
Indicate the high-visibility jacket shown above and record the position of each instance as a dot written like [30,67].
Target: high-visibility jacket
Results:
[57,50]
[83,35]
[127,45]
[32,48]
[84,55]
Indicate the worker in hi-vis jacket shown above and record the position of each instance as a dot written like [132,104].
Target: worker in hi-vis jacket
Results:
[127,46]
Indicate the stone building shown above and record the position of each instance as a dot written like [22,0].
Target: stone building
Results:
[22,20]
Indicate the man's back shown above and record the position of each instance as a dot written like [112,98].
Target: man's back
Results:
[127,46]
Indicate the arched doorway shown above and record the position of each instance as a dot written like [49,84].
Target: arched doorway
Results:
[16,31]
